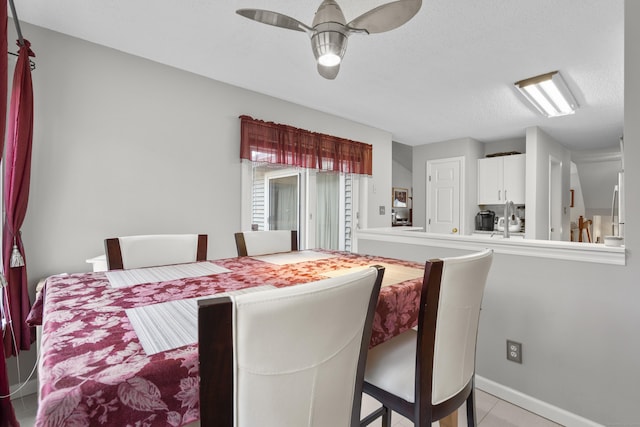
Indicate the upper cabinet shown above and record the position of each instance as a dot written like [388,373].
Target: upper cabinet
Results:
[502,178]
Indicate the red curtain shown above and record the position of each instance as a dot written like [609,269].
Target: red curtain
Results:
[7,415]
[3,73]
[270,142]
[16,195]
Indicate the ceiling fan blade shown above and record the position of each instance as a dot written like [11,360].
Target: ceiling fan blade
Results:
[329,73]
[274,18]
[387,16]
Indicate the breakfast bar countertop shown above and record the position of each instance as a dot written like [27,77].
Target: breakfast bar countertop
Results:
[573,251]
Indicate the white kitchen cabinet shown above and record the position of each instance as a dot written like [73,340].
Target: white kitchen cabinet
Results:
[501,178]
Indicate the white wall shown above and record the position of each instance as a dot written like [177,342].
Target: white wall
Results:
[379,193]
[578,322]
[540,146]
[401,176]
[123,145]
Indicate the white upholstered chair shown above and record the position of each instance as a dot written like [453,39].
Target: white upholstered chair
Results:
[128,252]
[291,356]
[254,243]
[428,373]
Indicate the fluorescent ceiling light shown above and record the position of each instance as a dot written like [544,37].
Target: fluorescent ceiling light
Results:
[549,94]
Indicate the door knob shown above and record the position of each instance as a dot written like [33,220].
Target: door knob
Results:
[454,230]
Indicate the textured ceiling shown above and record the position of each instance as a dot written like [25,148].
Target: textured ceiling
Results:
[446,74]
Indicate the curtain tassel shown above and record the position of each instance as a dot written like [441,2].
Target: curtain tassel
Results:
[16,257]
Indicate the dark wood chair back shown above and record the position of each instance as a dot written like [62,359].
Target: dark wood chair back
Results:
[254,243]
[152,250]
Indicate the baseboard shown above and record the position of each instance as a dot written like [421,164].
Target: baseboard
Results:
[30,387]
[544,409]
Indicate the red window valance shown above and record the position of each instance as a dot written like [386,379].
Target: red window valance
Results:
[270,142]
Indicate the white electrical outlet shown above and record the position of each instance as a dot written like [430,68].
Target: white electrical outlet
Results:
[514,351]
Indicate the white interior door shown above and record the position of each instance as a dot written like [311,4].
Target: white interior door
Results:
[443,195]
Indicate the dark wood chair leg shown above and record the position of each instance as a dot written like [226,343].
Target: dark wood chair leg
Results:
[471,409]
[386,417]
[372,417]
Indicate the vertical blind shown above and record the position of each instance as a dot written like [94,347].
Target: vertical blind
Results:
[269,142]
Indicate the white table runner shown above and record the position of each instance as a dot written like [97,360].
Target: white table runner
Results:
[393,274]
[169,325]
[137,276]
[293,257]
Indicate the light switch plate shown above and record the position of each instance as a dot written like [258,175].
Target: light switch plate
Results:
[382,210]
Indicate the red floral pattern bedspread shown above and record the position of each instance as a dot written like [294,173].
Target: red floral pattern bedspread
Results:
[93,370]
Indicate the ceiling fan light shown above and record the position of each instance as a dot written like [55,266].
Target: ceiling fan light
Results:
[329,60]
[329,47]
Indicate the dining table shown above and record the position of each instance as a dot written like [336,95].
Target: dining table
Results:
[118,349]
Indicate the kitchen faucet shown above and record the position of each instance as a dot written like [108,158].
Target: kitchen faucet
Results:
[508,211]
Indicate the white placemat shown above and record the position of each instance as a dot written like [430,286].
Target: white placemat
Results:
[169,325]
[393,274]
[136,276]
[293,257]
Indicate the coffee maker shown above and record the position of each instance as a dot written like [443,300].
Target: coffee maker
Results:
[485,220]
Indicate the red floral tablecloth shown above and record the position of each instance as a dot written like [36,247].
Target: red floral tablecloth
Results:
[94,372]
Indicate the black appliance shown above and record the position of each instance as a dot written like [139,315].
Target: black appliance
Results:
[485,220]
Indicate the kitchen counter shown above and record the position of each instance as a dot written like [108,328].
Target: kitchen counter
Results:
[516,245]
[495,234]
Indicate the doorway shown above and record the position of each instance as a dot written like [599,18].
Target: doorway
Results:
[322,206]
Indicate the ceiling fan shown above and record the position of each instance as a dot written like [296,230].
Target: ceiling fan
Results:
[329,31]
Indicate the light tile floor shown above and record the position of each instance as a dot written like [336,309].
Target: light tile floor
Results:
[25,408]
[491,412]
